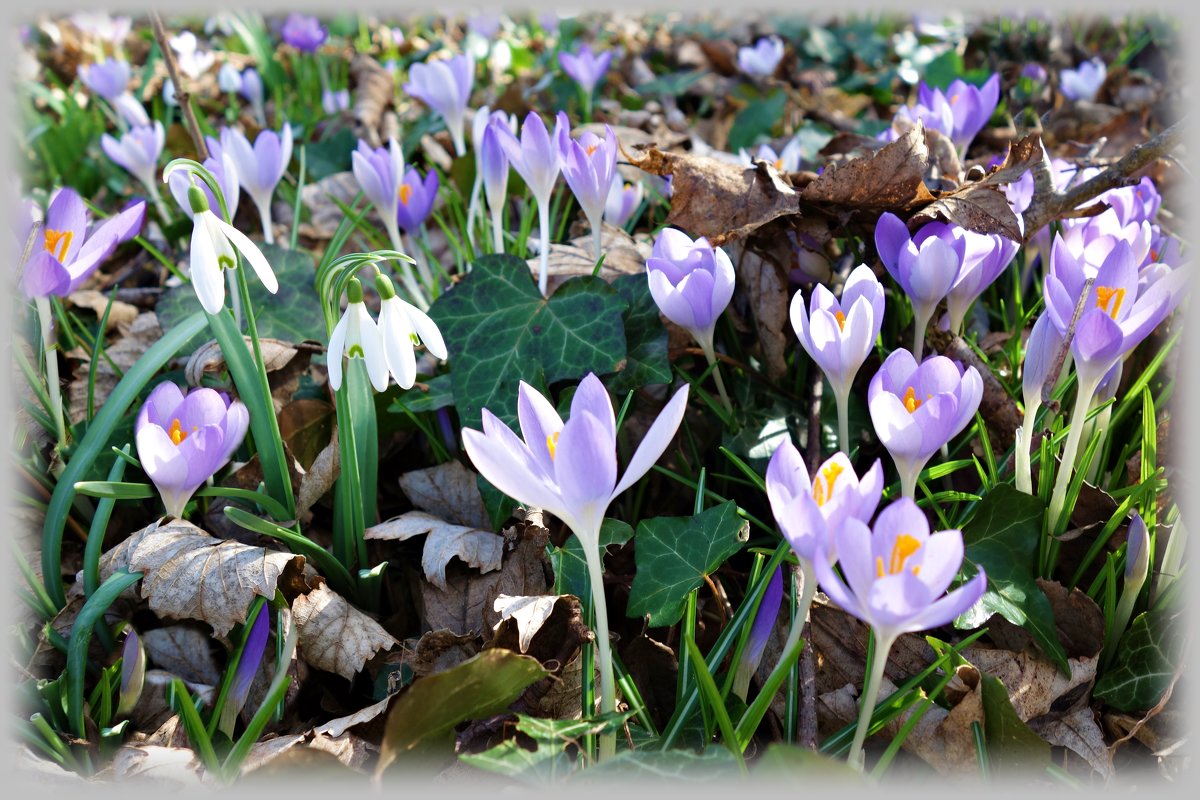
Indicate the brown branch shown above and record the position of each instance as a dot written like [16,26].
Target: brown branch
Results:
[1048,204]
[182,97]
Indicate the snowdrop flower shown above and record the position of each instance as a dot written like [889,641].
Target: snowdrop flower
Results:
[761,60]
[1084,82]
[213,252]
[839,335]
[260,167]
[401,324]
[229,79]
[137,151]
[445,86]
[192,61]
[182,440]
[357,336]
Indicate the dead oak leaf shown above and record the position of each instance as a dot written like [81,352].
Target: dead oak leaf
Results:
[1080,733]
[448,490]
[890,179]
[481,549]
[334,635]
[528,612]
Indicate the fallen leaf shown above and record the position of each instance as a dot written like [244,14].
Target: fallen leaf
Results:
[336,727]
[352,751]
[334,635]
[168,768]
[943,158]
[191,575]
[622,256]
[320,477]
[766,283]
[1080,733]
[481,549]
[264,751]
[306,425]
[121,314]
[890,179]
[977,207]
[449,491]
[375,90]
[438,651]
[1034,684]
[126,351]
[209,358]
[528,612]
[183,650]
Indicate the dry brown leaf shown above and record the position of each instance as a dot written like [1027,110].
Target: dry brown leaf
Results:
[352,751]
[891,179]
[120,315]
[183,650]
[716,199]
[767,285]
[267,750]
[276,354]
[1080,733]
[481,549]
[306,425]
[622,256]
[336,727]
[374,91]
[334,635]
[191,575]
[169,768]
[324,214]
[943,158]
[126,351]
[1034,684]
[528,612]
[977,207]
[449,491]
[840,642]
[320,476]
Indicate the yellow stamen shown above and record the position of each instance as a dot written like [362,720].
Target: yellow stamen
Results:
[779,164]
[405,193]
[1105,295]
[911,403]
[902,548]
[953,99]
[841,320]
[57,243]
[176,432]
[591,148]
[552,444]
[822,494]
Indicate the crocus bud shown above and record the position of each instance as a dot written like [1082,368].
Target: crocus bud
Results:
[137,151]
[589,165]
[585,67]
[493,163]
[691,281]
[623,200]
[445,86]
[133,673]
[416,199]
[251,86]
[228,78]
[760,631]
[252,654]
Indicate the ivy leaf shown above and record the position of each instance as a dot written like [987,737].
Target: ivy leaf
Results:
[674,554]
[1145,665]
[329,156]
[645,338]
[1002,537]
[550,761]
[756,119]
[570,567]
[500,330]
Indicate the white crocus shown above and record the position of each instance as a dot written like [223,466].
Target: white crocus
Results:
[214,249]
[357,336]
[400,325]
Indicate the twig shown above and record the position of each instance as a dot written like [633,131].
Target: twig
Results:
[1052,376]
[1048,204]
[182,96]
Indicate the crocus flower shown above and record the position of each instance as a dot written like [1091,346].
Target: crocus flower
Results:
[493,169]
[585,67]
[65,256]
[303,32]
[379,172]
[416,199]
[247,667]
[760,631]
[137,151]
[896,581]
[357,336]
[103,26]
[1084,82]
[479,124]
[761,60]
[221,167]
[1041,351]
[839,335]
[252,90]
[925,265]
[260,167]
[786,161]
[1036,73]
[168,93]
[570,470]
[401,325]
[623,200]
[108,78]
[332,102]
[228,78]
[182,440]
[538,161]
[959,113]
[213,251]
[445,86]
[917,409]
[986,256]
[589,164]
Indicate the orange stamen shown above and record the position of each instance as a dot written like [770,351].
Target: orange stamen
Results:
[57,243]
[405,193]
[911,403]
[841,320]
[176,432]
[591,148]
[822,494]
[1105,295]
[902,548]
[552,444]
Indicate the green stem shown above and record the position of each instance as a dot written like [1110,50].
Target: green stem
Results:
[50,352]
[1083,398]
[608,697]
[705,339]
[870,695]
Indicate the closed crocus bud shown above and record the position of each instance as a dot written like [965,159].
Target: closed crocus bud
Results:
[585,67]
[251,86]
[252,654]
[334,101]
[445,86]
[133,673]
[223,170]
[182,440]
[137,152]
[623,200]
[228,78]
[839,335]
[1137,569]
[761,60]
[986,256]
[1041,350]
[925,265]
[917,409]
[589,165]
[760,631]
[416,199]
[107,78]
[691,281]
[493,167]
[1084,82]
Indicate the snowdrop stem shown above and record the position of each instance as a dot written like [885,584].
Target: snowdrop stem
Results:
[608,697]
[264,212]
[50,352]
[473,208]
[705,340]
[869,696]
[543,243]
[1023,467]
[1083,398]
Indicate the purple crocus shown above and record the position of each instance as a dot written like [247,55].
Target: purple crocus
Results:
[761,60]
[587,69]
[65,255]
[493,167]
[137,152]
[925,265]
[445,86]
[260,167]
[623,201]
[334,101]
[415,199]
[760,631]
[252,90]
[247,667]
[986,256]
[917,409]
[960,112]
[303,32]
[379,172]
[182,440]
[839,335]
[537,160]
[1084,82]
[786,161]
[1041,350]
[589,164]
[223,170]
[570,470]
[108,78]
[133,673]
[896,580]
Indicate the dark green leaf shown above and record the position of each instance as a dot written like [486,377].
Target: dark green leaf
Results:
[1012,746]
[570,568]
[645,338]
[439,395]
[674,84]
[943,70]
[1002,537]
[756,119]
[550,761]
[1147,658]
[330,155]
[674,554]
[500,331]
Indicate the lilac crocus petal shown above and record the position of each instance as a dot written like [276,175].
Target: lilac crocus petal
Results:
[260,166]
[107,78]
[540,424]
[535,157]
[764,621]
[445,86]
[623,200]
[131,110]
[1040,353]
[305,33]
[137,151]
[896,575]
[226,174]
[251,86]
[986,256]
[691,282]
[416,197]
[585,468]
[840,335]
[182,440]
[379,172]
[761,60]
[1084,82]
[589,165]
[494,165]
[585,67]
[251,659]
